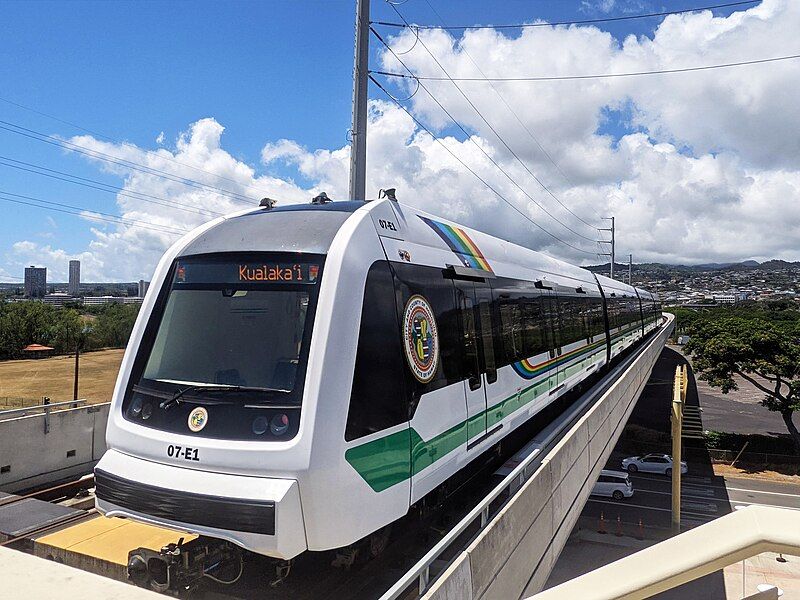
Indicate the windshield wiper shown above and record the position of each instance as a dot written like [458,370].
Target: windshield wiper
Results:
[177,397]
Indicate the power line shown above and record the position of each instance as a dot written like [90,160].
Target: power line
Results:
[499,137]
[110,139]
[478,177]
[482,150]
[91,214]
[579,22]
[596,76]
[99,185]
[516,116]
[96,154]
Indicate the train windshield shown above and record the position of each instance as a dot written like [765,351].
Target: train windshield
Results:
[242,322]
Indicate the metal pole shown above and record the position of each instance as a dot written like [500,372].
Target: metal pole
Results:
[75,386]
[358,147]
[613,248]
[678,395]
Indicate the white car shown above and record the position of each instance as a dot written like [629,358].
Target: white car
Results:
[613,484]
[651,463]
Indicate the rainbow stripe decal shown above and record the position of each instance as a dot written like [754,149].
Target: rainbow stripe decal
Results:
[460,243]
[526,370]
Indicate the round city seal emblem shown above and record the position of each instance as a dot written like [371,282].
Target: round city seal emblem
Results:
[421,339]
[198,419]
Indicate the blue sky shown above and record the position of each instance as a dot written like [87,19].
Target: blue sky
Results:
[264,70]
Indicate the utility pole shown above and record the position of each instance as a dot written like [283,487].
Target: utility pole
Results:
[358,146]
[630,269]
[612,242]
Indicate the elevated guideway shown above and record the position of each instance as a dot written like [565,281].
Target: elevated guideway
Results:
[512,553]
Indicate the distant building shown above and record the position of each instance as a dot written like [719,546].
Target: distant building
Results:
[98,300]
[74,277]
[35,282]
[58,298]
[728,298]
[133,300]
[143,285]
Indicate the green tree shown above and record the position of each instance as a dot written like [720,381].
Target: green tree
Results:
[113,325]
[757,347]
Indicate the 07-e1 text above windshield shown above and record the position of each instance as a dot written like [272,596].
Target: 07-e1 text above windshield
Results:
[194,272]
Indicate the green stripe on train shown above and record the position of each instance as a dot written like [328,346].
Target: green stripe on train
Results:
[392,459]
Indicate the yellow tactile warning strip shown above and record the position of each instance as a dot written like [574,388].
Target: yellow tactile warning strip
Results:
[110,539]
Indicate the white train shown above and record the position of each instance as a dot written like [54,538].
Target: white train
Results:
[299,377]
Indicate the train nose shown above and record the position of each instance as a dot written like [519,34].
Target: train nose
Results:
[260,514]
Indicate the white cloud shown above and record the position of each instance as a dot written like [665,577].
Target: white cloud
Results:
[708,171]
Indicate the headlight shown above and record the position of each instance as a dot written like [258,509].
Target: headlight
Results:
[279,424]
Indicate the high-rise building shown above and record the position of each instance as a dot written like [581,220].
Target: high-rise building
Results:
[35,282]
[74,278]
[143,285]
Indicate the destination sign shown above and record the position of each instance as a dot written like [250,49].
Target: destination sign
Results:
[279,272]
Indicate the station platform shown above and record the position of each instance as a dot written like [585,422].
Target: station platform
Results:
[100,545]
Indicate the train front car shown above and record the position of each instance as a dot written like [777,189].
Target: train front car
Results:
[222,385]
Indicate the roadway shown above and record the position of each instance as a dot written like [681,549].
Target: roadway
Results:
[702,499]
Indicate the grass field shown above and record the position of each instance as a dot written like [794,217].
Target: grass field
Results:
[53,377]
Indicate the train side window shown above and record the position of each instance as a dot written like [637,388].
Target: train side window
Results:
[487,337]
[470,340]
[378,399]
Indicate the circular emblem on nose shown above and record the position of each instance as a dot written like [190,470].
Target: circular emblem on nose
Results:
[198,419]
[421,338]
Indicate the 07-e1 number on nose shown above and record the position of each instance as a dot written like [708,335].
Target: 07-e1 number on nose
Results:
[183,452]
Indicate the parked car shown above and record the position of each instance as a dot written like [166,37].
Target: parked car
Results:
[613,484]
[651,463]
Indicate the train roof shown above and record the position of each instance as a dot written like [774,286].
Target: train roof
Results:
[312,227]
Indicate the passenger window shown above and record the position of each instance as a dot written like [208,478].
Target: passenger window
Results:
[378,398]
[470,340]
[488,341]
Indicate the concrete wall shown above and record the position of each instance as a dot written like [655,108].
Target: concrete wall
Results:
[26,577]
[32,453]
[513,556]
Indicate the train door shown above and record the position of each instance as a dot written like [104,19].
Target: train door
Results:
[474,386]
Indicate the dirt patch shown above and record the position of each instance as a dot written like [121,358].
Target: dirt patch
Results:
[53,377]
[748,473]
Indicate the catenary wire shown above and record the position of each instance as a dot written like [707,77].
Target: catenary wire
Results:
[99,185]
[595,76]
[578,22]
[90,214]
[503,141]
[477,176]
[514,113]
[97,155]
[482,150]
[110,139]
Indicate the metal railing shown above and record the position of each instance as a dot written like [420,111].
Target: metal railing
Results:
[542,444]
[44,407]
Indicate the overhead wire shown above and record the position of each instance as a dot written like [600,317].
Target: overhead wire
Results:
[99,185]
[110,139]
[577,22]
[88,213]
[480,148]
[595,76]
[96,154]
[468,168]
[503,141]
[514,113]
